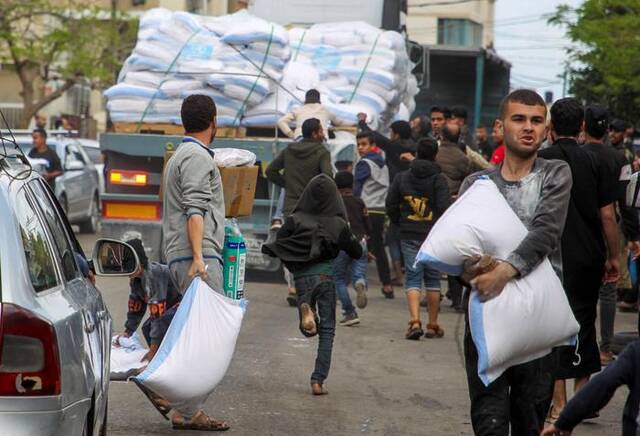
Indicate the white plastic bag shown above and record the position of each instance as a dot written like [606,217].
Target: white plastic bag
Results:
[532,314]
[198,346]
[233,157]
[126,356]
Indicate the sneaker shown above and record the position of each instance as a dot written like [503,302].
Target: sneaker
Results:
[350,319]
[388,295]
[627,307]
[361,295]
[275,225]
[424,302]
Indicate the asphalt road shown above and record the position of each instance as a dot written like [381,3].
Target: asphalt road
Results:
[380,383]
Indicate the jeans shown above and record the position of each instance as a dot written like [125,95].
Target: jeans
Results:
[279,214]
[358,275]
[393,242]
[417,275]
[519,398]
[376,218]
[165,319]
[319,292]
[608,297]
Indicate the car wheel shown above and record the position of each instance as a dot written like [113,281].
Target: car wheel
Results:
[92,224]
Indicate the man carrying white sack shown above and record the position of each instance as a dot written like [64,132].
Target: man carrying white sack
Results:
[193,226]
[538,191]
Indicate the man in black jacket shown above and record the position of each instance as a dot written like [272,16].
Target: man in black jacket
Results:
[599,391]
[416,199]
[612,163]
[591,218]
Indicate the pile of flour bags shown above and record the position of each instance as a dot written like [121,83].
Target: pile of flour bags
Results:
[256,71]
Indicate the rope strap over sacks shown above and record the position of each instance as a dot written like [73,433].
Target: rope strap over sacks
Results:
[173,62]
[255,83]
[364,69]
[295,56]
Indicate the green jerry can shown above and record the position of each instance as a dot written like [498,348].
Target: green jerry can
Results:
[234,255]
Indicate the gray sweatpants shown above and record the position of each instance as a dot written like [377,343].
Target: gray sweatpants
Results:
[179,274]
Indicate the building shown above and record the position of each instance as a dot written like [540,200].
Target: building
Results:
[460,66]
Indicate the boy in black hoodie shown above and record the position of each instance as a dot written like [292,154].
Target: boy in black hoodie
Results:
[416,199]
[308,241]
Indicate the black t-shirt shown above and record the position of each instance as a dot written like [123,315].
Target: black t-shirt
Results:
[357,214]
[53,162]
[582,242]
[617,169]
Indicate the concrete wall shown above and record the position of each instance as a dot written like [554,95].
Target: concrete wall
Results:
[422,22]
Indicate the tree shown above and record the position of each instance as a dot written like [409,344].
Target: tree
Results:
[61,42]
[606,59]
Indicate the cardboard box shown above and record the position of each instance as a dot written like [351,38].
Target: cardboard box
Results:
[239,187]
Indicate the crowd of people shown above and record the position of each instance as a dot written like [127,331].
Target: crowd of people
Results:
[563,171]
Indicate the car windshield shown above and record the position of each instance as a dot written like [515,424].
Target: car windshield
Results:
[94,154]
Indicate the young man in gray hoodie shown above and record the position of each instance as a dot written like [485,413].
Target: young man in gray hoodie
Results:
[193,225]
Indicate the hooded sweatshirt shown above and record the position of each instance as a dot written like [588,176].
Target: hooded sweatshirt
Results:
[313,235]
[417,198]
[301,161]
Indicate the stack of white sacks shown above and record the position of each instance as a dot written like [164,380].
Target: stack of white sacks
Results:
[256,71]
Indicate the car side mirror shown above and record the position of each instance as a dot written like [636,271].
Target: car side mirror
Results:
[114,258]
[74,165]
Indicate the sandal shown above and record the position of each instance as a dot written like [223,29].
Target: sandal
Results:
[153,398]
[388,295]
[415,330]
[434,331]
[208,425]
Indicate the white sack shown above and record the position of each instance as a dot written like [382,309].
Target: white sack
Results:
[126,356]
[532,314]
[198,346]
[233,157]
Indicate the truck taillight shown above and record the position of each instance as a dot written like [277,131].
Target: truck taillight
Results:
[130,178]
[29,361]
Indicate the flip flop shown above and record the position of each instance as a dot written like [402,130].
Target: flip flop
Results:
[210,425]
[152,396]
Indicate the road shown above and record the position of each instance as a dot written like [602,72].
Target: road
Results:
[380,383]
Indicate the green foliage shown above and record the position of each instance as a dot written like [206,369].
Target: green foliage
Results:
[62,40]
[605,64]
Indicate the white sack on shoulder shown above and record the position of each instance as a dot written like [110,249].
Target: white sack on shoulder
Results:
[233,157]
[532,314]
[198,346]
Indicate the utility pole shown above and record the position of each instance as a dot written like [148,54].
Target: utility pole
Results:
[564,82]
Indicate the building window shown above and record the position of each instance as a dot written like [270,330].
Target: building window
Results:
[459,32]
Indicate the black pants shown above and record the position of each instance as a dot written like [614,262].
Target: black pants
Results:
[377,246]
[519,398]
[455,291]
[319,292]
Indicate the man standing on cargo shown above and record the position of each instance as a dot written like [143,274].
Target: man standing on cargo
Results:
[193,225]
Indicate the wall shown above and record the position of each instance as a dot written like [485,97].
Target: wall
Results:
[422,22]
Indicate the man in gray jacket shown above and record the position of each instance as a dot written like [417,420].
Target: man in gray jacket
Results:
[193,225]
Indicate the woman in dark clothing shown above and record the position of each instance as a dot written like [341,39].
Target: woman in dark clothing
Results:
[308,241]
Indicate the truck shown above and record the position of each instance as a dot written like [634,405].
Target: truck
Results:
[131,206]
[134,158]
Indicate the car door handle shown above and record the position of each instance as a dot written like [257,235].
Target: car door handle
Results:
[89,325]
[102,315]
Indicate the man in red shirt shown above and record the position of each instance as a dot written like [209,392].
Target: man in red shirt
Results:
[497,135]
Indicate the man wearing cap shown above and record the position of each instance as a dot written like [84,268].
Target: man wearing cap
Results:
[615,168]
[617,133]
